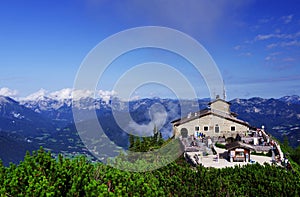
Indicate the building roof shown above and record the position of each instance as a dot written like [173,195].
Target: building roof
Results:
[238,144]
[228,116]
[219,100]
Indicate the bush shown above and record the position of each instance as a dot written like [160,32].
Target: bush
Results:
[220,145]
[41,175]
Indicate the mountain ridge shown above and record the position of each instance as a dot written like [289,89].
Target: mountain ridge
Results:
[49,122]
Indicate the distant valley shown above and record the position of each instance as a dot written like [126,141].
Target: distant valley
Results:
[48,122]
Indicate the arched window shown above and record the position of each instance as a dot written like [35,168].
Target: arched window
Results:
[184,132]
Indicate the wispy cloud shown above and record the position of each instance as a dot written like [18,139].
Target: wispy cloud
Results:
[260,37]
[237,47]
[265,20]
[272,56]
[279,39]
[287,19]
[289,59]
[272,45]
[268,58]
[193,16]
[246,54]
[279,61]
[268,36]
[272,79]
[264,36]
[290,43]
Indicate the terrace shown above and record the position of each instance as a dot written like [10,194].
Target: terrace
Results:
[203,150]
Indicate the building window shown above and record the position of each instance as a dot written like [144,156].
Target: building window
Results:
[205,128]
[197,128]
[217,129]
[232,128]
[184,132]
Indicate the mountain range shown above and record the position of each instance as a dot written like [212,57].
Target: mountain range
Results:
[41,120]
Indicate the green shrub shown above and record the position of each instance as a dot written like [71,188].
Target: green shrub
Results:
[41,175]
[220,145]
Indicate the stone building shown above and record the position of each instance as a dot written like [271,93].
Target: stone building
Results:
[217,120]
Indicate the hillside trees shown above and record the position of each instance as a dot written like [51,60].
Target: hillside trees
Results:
[144,144]
[41,175]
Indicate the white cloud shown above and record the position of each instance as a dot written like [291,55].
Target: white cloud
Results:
[269,36]
[237,47]
[293,43]
[246,54]
[268,58]
[265,20]
[289,59]
[193,16]
[290,44]
[271,46]
[287,19]
[261,37]
[272,56]
[158,119]
[8,92]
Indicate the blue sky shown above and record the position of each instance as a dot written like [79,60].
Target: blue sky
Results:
[256,44]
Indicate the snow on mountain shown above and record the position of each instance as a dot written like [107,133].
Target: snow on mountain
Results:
[60,95]
[39,95]
[43,100]
[17,115]
[8,92]
[294,99]
[106,96]
[63,94]
[5,100]
[56,108]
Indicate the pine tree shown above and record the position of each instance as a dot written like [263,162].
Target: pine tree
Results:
[155,135]
[146,143]
[137,145]
[160,139]
[131,142]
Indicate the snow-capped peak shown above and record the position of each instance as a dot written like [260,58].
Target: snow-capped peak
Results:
[106,96]
[5,99]
[8,92]
[63,94]
[68,94]
[294,99]
[39,95]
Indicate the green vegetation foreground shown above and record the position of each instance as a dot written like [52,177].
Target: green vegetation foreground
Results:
[41,175]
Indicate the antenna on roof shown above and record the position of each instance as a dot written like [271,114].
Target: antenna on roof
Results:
[214,94]
[224,93]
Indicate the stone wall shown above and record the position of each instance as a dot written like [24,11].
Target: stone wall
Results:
[211,121]
[220,105]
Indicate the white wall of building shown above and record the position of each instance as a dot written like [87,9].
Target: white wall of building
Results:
[212,121]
